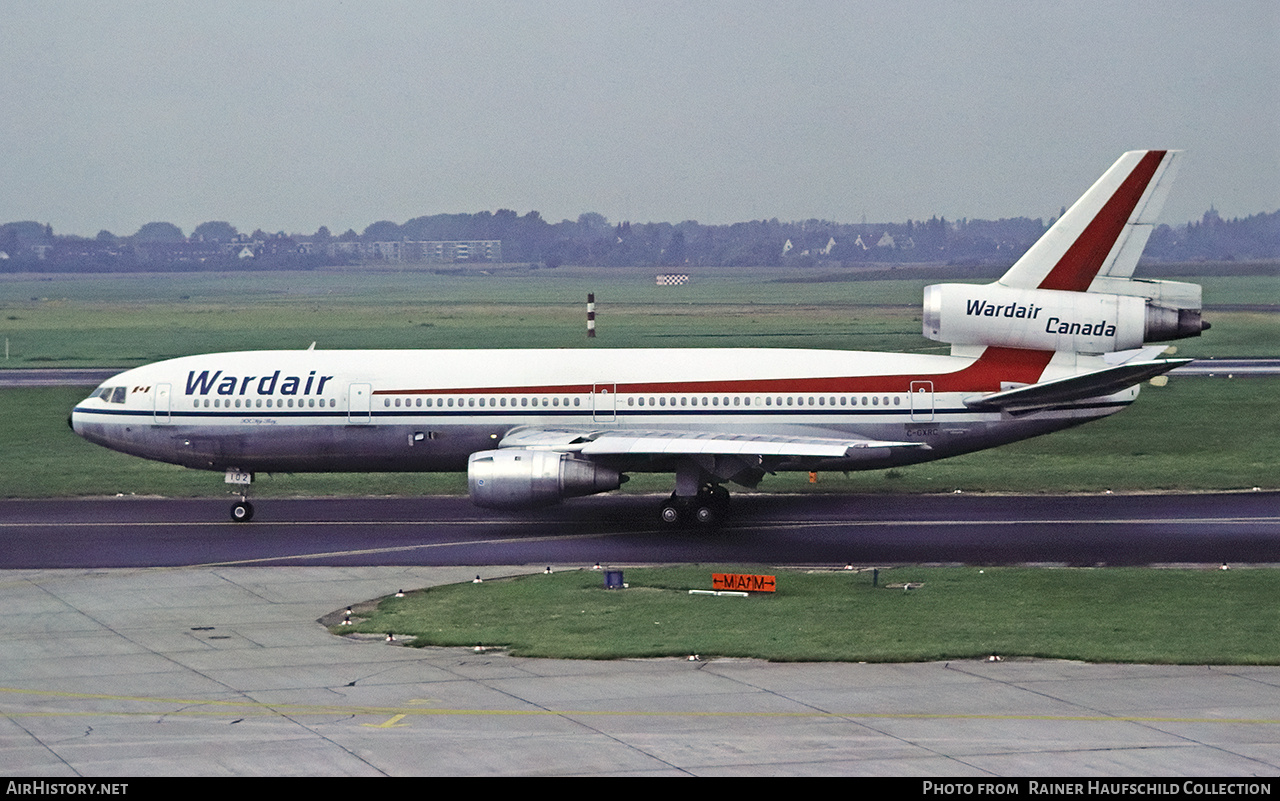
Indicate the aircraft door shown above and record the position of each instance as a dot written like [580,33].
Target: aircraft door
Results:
[921,401]
[604,404]
[163,400]
[360,404]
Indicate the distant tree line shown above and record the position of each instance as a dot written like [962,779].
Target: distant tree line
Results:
[593,240]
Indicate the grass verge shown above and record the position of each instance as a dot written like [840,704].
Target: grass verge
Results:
[1138,615]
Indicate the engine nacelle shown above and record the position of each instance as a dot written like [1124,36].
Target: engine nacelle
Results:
[522,479]
[1049,319]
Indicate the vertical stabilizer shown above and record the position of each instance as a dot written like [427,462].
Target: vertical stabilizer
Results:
[1104,232]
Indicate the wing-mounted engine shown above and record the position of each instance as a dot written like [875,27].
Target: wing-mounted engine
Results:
[516,478]
[1124,315]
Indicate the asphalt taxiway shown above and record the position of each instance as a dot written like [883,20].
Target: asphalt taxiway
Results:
[766,529]
[204,660]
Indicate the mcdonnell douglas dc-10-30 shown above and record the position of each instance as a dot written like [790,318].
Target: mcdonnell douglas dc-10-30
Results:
[1062,338]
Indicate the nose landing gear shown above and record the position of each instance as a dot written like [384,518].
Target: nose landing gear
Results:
[241,511]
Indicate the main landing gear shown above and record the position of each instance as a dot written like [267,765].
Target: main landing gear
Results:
[708,509]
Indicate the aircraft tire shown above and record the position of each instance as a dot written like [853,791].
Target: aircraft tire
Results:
[242,512]
[671,514]
[707,515]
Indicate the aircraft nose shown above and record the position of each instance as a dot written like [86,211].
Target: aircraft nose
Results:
[72,420]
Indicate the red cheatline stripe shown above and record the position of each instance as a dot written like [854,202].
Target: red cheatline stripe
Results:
[996,365]
[1080,264]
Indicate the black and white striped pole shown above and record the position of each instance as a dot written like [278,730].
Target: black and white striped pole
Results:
[591,315]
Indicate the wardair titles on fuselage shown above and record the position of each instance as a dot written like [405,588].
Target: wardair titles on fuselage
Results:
[219,384]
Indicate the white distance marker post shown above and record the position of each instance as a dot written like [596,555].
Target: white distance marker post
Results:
[591,315]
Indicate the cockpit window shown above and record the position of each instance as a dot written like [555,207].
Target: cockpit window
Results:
[109,394]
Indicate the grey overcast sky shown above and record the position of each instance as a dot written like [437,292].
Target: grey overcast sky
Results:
[292,115]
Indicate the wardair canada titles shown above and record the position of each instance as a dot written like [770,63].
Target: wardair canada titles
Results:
[1054,325]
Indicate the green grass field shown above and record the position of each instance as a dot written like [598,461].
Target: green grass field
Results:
[1096,615]
[1194,434]
[129,320]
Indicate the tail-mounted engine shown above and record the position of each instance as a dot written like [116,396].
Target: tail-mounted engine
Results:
[522,479]
[1119,314]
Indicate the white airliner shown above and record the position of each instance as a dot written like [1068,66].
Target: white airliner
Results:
[1059,340]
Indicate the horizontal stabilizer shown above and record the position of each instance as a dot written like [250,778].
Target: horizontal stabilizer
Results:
[1073,388]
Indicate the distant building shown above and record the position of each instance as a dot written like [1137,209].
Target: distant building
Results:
[423,252]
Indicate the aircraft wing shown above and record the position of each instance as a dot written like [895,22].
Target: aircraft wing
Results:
[632,442]
[1073,388]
